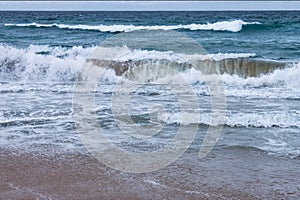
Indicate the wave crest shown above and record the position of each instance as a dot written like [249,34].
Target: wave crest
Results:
[232,26]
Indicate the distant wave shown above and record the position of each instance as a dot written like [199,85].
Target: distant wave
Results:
[232,26]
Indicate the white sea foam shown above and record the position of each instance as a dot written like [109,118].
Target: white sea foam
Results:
[281,146]
[264,119]
[233,26]
[282,83]
[41,62]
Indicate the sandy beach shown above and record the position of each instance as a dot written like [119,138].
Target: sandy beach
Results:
[77,176]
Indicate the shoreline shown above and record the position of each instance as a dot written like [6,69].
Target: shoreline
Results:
[78,176]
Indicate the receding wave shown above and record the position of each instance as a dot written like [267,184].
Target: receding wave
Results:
[237,120]
[232,26]
[286,151]
[27,121]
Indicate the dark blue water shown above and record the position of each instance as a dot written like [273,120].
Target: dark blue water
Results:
[276,37]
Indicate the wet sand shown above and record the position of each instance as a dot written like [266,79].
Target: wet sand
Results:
[39,175]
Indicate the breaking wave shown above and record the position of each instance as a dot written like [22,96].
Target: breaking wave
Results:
[63,64]
[133,63]
[42,63]
[232,26]
[238,71]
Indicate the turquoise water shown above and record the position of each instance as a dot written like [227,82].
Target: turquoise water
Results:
[276,37]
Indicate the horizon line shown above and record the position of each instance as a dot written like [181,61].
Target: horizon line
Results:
[218,5]
[87,10]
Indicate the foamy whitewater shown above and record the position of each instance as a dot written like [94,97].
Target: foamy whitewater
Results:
[41,58]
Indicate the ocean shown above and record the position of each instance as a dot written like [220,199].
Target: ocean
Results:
[163,75]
